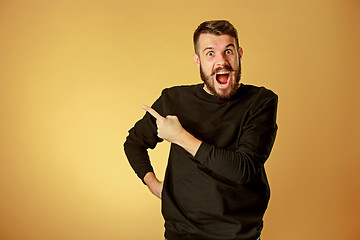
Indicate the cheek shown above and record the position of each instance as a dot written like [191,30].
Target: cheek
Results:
[237,62]
[206,69]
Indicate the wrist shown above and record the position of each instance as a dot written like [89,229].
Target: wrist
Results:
[181,137]
[150,179]
[188,142]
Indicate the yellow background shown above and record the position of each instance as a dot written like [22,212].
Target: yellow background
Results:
[73,75]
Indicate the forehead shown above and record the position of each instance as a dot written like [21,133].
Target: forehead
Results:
[208,40]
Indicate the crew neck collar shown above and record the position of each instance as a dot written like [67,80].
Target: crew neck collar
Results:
[204,94]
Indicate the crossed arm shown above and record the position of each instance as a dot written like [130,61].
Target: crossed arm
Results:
[239,166]
[170,129]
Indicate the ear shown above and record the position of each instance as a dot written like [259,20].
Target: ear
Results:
[240,52]
[196,60]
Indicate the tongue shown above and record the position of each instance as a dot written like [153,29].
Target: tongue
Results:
[222,78]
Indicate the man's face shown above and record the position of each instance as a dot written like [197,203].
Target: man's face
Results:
[219,61]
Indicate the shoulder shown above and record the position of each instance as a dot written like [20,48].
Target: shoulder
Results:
[179,91]
[181,88]
[259,97]
[172,96]
[259,93]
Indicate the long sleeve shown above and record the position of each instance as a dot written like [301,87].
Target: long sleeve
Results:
[254,146]
[142,137]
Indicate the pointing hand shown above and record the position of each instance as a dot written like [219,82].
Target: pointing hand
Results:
[169,127]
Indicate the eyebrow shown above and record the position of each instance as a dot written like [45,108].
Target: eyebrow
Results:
[230,45]
[210,48]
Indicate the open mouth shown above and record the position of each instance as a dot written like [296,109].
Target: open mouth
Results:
[222,77]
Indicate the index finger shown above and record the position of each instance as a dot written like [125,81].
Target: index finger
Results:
[152,112]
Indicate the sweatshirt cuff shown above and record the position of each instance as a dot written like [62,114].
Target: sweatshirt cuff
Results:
[203,153]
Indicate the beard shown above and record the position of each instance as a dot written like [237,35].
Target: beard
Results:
[207,79]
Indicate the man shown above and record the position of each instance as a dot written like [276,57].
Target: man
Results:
[221,134]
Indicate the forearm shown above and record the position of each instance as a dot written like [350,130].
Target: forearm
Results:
[153,184]
[141,137]
[236,166]
[232,165]
[138,158]
[188,142]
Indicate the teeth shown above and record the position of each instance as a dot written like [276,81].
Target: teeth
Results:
[222,73]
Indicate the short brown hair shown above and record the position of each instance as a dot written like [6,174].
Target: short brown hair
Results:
[217,27]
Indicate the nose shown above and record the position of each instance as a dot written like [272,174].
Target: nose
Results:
[221,60]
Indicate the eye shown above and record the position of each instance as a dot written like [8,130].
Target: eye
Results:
[210,54]
[228,51]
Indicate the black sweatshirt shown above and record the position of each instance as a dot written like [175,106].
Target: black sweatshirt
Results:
[222,192]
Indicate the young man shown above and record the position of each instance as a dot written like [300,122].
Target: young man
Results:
[221,134]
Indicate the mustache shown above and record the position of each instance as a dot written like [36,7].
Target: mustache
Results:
[219,69]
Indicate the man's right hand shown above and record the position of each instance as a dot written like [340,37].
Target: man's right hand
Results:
[153,184]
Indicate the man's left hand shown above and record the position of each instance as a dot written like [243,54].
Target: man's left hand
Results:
[168,128]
